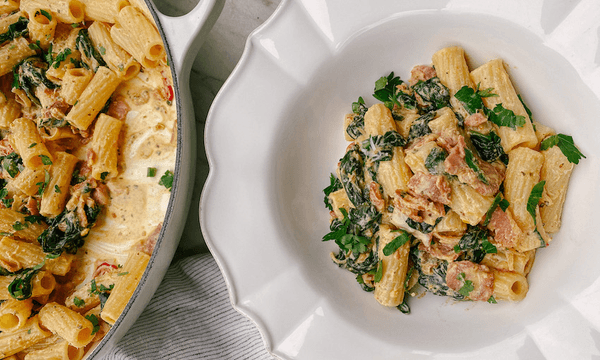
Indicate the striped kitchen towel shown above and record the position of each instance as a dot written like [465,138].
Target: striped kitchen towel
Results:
[197,320]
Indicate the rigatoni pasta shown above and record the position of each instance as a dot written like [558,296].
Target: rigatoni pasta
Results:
[446,184]
[88,141]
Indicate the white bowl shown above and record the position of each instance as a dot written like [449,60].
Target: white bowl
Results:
[183,37]
[274,134]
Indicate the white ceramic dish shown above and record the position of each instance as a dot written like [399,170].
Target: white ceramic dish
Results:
[183,37]
[274,133]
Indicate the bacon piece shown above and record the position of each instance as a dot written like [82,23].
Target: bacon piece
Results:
[118,108]
[421,73]
[475,119]
[455,164]
[433,187]
[440,251]
[506,231]
[417,207]
[101,194]
[147,245]
[480,275]
[32,206]
[375,196]
[5,147]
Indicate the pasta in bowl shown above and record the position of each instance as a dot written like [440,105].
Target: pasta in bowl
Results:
[448,183]
[94,131]
[285,105]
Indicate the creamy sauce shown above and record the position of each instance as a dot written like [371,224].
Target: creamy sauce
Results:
[138,203]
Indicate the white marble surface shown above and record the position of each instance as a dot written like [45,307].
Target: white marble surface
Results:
[214,63]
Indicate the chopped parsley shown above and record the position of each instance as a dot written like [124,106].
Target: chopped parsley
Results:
[20,226]
[167,180]
[467,287]
[151,172]
[42,185]
[78,302]
[104,175]
[95,322]
[45,159]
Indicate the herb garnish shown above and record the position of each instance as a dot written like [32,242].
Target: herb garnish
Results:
[534,199]
[472,99]
[566,144]
[396,243]
[505,117]
[95,322]
[167,180]
[467,287]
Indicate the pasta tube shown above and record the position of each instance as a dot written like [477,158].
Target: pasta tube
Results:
[136,34]
[14,314]
[67,11]
[105,147]
[493,75]
[389,291]
[452,70]
[93,98]
[66,323]
[133,269]
[15,341]
[556,171]
[55,194]
[29,144]
[509,285]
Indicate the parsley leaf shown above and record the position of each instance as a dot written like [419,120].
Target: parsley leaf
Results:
[95,322]
[45,160]
[566,144]
[345,239]
[396,243]
[386,90]
[492,300]
[42,185]
[471,98]
[534,198]
[505,117]
[467,287]
[151,172]
[78,302]
[167,180]
[488,247]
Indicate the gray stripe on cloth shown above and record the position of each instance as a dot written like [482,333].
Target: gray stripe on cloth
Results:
[191,317]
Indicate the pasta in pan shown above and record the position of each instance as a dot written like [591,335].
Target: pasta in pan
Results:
[447,184]
[88,125]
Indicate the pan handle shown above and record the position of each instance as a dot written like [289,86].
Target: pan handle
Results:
[185,34]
